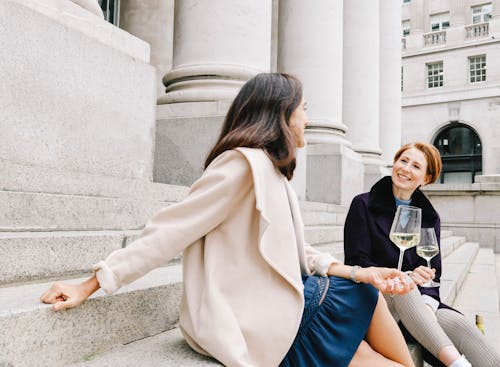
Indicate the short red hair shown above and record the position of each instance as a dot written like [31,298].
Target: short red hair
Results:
[432,157]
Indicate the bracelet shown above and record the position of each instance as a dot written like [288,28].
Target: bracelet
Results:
[354,269]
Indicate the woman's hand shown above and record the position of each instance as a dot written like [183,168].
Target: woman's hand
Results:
[386,280]
[422,274]
[64,296]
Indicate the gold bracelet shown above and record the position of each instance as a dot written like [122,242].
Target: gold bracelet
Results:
[354,269]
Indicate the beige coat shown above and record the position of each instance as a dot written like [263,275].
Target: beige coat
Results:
[244,251]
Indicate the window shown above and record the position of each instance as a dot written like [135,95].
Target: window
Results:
[405,24]
[477,68]
[440,21]
[111,10]
[461,153]
[435,75]
[481,13]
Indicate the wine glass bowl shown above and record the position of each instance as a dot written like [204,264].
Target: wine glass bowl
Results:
[427,249]
[405,229]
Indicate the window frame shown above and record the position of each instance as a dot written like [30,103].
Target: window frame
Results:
[443,17]
[477,72]
[482,13]
[431,84]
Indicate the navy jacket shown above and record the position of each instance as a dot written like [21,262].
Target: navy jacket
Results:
[367,226]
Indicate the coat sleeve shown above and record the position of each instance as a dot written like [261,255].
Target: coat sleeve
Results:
[357,238]
[211,199]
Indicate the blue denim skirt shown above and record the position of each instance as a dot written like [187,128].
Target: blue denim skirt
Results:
[336,316]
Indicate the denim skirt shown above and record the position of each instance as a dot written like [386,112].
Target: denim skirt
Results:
[336,316]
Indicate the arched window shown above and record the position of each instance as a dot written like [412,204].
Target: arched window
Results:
[461,153]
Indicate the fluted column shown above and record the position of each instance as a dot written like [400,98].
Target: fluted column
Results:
[310,47]
[153,22]
[361,81]
[218,45]
[390,79]
[361,75]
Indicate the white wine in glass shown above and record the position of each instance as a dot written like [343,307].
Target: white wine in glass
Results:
[428,248]
[405,229]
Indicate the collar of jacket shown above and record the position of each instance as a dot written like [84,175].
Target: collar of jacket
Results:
[381,200]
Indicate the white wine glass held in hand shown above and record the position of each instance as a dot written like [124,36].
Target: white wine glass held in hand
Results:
[405,229]
[428,248]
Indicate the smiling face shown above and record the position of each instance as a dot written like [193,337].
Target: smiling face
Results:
[409,172]
[298,122]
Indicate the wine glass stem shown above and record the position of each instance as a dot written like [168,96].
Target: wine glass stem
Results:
[428,263]
[400,262]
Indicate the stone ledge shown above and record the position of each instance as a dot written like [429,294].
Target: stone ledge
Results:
[75,17]
[36,336]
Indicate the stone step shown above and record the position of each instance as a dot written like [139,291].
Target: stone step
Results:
[37,336]
[455,268]
[317,218]
[166,349]
[450,243]
[480,294]
[445,233]
[36,211]
[28,256]
[323,234]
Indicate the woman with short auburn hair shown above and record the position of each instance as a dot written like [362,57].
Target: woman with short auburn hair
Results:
[442,331]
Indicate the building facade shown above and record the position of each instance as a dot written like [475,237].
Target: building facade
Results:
[451,83]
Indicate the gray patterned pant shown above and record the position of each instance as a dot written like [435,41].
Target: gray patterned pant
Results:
[448,328]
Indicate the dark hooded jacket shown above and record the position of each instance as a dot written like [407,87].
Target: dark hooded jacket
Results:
[367,226]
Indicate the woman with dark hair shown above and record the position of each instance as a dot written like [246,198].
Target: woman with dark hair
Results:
[255,294]
[441,330]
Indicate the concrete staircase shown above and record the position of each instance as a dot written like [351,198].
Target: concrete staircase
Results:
[138,325]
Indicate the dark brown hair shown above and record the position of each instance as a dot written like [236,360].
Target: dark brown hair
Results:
[432,157]
[259,118]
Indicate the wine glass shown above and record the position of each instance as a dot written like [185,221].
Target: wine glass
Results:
[428,248]
[405,229]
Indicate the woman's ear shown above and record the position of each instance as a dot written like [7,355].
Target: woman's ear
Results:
[427,179]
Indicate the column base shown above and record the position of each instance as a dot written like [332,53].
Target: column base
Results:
[210,82]
[179,154]
[375,168]
[321,135]
[334,173]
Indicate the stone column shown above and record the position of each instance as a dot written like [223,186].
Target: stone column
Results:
[153,22]
[313,53]
[218,45]
[390,79]
[360,107]
[310,47]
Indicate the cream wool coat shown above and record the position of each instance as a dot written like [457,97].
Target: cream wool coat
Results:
[244,251]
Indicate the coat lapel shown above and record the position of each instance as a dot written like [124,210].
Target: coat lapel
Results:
[279,247]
